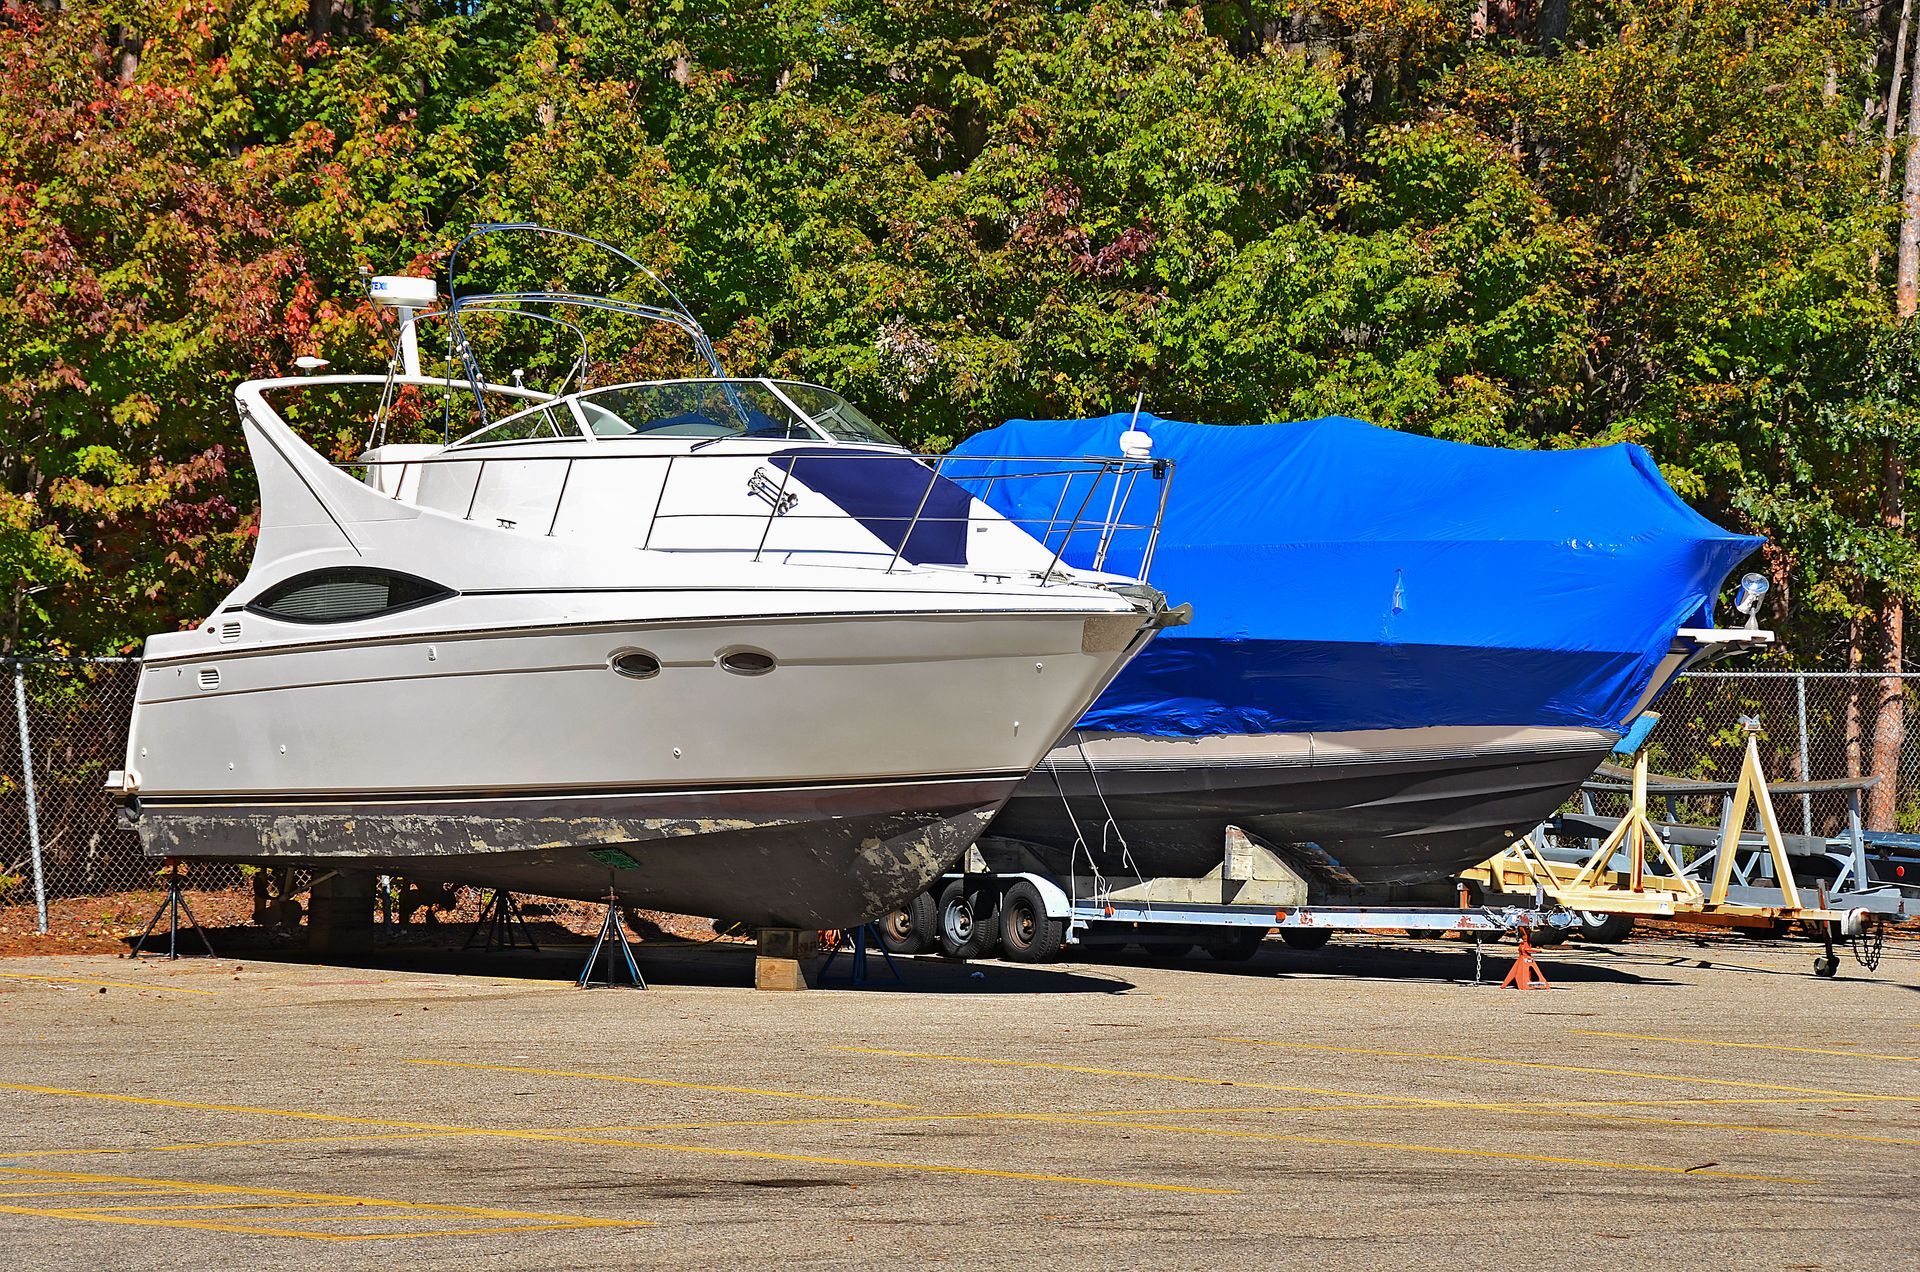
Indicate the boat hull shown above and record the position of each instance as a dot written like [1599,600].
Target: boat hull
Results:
[1351,811]
[820,793]
[825,855]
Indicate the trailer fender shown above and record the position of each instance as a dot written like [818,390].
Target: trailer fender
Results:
[1051,894]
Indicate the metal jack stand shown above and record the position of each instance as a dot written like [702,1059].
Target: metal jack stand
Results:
[614,936]
[500,916]
[171,906]
[857,939]
[1525,973]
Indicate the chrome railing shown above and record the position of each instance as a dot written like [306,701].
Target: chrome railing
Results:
[1095,513]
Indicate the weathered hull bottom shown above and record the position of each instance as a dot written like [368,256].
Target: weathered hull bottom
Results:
[800,856]
[1374,817]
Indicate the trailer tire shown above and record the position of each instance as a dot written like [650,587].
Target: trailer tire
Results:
[1027,935]
[969,919]
[1605,929]
[1306,938]
[913,928]
[1236,946]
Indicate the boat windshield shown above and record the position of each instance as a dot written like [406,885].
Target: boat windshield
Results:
[694,408]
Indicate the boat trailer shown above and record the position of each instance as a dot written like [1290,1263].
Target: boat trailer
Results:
[1730,876]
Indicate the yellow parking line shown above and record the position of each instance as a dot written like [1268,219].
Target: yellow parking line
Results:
[663,1082]
[226,1205]
[282,1198]
[1133,1073]
[1566,1108]
[599,1141]
[1566,1068]
[1749,1046]
[111,984]
[261,1230]
[1570,1108]
[290,1194]
[1397,1146]
[96,1192]
[246,1143]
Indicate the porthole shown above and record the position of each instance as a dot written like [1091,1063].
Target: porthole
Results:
[747,662]
[635,665]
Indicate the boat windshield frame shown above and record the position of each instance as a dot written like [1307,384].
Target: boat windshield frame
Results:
[750,401]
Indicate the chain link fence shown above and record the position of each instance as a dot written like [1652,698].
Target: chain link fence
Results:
[67,867]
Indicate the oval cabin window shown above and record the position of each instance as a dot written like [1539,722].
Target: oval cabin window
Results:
[337,596]
[747,662]
[636,665]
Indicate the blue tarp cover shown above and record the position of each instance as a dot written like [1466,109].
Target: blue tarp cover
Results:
[1351,577]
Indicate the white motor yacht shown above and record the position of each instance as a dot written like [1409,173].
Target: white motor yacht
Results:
[719,644]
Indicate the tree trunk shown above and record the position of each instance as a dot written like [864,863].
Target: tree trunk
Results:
[1853,721]
[1550,27]
[1890,711]
[1892,130]
[1907,287]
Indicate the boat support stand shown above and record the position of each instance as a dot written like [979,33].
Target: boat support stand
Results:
[612,938]
[172,905]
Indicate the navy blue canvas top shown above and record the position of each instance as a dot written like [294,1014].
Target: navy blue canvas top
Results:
[898,499]
[1351,577]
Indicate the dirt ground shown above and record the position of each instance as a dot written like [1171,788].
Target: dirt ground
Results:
[108,924]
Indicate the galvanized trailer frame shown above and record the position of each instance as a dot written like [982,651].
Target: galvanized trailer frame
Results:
[1251,893]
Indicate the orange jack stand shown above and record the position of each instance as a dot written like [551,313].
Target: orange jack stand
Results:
[1526,973]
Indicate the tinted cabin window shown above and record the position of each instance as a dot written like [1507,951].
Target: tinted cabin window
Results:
[333,596]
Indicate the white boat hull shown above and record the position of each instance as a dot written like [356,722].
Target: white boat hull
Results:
[512,756]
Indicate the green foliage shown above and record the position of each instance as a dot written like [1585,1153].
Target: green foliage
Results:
[1663,224]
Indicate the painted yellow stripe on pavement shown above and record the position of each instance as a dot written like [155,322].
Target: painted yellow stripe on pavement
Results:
[284,1199]
[111,984]
[1443,1149]
[290,1194]
[1589,1109]
[1005,1062]
[262,1230]
[599,1141]
[1384,1103]
[1748,1046]
[274,1142]
[1503,1061]
[663,1082]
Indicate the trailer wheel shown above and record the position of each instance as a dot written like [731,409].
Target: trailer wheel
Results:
[1605,929]
[1027,935]
[969,917]
[1306,938]
[1236,946]
[1826,965]
[913,928]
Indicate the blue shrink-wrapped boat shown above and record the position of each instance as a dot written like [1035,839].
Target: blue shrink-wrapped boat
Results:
[1403,651]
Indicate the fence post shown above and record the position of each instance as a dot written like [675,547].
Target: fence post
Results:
[1806,772]
[33,807]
